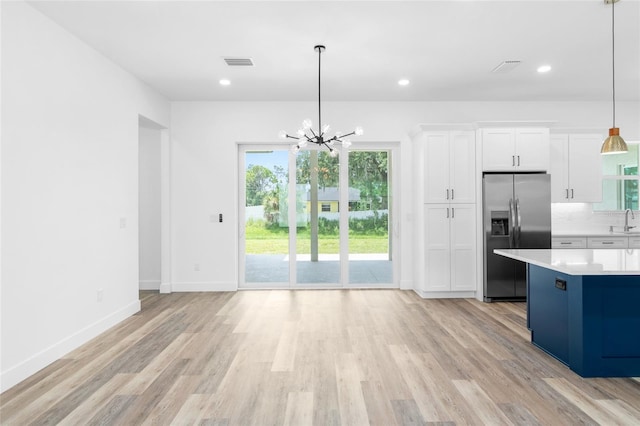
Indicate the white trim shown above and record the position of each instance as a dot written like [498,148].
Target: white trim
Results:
[14,375]
[149,284]
[194,286]
[165,213]
[446,294]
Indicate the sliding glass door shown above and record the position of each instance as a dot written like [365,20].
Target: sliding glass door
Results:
[369,218]
[265,229]
[309,220]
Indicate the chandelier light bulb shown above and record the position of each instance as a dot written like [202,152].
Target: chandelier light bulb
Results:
[282,134]
[300,133]
[302,142]
[346,143]
[333,153]
[325,128]
[306,124]
[359,131]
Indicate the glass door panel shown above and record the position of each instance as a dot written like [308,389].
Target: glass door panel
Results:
[369,218]
[266,227]
[317,215]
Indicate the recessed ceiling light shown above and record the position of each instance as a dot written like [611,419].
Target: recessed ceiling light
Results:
[403,82]
[544,68]
[225,82]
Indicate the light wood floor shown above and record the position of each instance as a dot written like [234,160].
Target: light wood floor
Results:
[351,357]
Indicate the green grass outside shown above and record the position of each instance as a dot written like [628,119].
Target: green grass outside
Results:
[262,240]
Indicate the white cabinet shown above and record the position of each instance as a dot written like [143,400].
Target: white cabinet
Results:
[607,242]
[449,166]
[515,149]
[569,242]
[449,247]
[576,168]
[634,242]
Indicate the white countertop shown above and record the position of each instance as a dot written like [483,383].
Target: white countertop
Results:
[580,261]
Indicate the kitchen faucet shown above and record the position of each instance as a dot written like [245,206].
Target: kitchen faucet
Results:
[626,220]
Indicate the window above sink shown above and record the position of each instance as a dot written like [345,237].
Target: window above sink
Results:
[620,181]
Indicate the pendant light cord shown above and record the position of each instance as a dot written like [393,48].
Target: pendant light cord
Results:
[319,111]
[613,57]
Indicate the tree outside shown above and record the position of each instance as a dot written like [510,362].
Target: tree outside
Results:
[368,222]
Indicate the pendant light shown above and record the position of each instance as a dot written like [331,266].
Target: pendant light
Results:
[614,144]
[319,137]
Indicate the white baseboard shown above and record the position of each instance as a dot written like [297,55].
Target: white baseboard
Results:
[33,364]
[204,286]
[165,288]
[406,285]
[149,284]
[446,294]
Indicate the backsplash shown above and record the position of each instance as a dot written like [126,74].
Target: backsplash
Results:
[579,218]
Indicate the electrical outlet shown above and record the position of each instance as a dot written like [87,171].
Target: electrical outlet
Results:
[196,267]
[100,294]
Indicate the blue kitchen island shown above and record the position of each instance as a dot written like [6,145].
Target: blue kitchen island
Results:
[583,307]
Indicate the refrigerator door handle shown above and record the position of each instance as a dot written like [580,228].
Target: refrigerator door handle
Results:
[512,218]
[518,218]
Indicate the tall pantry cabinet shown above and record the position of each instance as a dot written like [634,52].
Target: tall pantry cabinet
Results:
[444,160]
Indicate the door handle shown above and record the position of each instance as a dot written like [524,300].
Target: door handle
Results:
[452,197]
[513,160]
[447,212]
[453,212]
[518,223]
[567,197]
[572,193]
[512,218]
[518,161]
[447,194]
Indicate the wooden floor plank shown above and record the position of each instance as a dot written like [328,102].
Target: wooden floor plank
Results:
[322,357]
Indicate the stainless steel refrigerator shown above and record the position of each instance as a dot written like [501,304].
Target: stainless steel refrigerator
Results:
[517,214]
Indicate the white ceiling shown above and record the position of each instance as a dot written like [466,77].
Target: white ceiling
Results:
[446,48]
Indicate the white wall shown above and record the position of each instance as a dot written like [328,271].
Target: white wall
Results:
[149,207]
[69,179]
[205,166]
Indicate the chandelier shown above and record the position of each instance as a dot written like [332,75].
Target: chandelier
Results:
[307,135]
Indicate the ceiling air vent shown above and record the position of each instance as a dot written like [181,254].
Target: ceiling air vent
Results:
[505,67]
[239,62]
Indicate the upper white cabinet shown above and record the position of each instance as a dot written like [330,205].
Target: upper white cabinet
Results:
[449,166]
[576,168]
[515,149]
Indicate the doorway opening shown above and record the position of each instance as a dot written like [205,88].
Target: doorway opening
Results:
[152,205]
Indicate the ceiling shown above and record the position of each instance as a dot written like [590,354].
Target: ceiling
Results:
[447,49]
